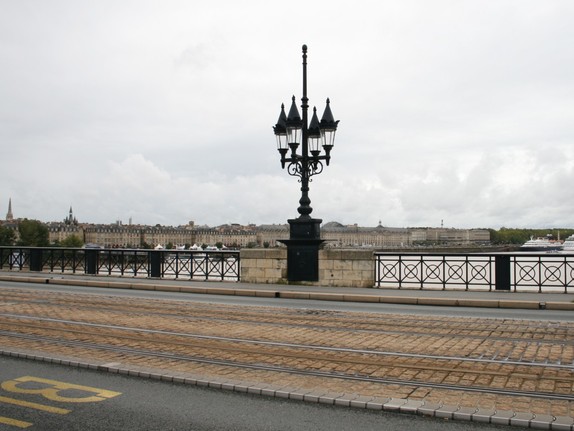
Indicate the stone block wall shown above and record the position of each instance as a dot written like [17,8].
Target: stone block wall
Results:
[337,268]
[346,268]
[264,265]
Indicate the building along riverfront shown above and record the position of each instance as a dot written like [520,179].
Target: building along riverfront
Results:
[336,235]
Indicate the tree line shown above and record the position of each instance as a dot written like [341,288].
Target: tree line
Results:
[34,233]
[520,236]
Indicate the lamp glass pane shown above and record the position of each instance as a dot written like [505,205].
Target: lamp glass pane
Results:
[293,135]
[281,141]
[328,136]
[314,142]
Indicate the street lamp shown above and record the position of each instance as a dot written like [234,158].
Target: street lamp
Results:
[293,131]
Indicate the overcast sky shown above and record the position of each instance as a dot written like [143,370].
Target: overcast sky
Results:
[162,111]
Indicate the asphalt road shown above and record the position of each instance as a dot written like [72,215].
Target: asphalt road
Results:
[44,396]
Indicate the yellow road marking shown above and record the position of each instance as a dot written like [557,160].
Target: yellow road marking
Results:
[15,422]
[55,388]
[36,406]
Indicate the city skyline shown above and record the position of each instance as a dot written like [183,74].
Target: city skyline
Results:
[454,110]
[71,218]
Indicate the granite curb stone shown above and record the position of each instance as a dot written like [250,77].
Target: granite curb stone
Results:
[521,419]
[502,417]
[542,422]
[428,408]
[483,415]
[411,406]
[394,404]
[446,411]
[464,413]
[563,423]
[329,398]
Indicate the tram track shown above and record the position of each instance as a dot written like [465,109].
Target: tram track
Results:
[337,321]
[319,361]
[303,372]
[515,358]
[260,342]
[516,350]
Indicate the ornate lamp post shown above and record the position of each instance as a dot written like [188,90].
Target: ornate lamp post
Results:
[293,131]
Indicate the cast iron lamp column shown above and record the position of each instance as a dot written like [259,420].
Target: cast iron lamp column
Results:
[292,131]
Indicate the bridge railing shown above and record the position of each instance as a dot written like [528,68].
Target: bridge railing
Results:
[173,264]
[525,272]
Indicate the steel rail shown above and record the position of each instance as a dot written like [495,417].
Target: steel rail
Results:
[492,360]
[325,314]
[273,368]
[396,322]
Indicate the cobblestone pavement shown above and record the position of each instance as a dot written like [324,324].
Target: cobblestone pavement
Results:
[407,363]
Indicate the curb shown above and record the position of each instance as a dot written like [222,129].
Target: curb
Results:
[397,405]
[319,296]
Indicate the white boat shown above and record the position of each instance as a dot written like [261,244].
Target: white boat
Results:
[568,244]
[541,244]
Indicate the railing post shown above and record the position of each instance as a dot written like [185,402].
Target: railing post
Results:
[377,270]
[92,261]
[502,272]
[155,258]
[35,259]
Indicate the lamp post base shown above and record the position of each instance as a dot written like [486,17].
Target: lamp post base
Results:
[303,249]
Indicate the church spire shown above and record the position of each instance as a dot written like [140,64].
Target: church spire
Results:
[9,215]
[71,220]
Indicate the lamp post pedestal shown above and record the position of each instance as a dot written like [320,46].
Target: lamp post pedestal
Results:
[303,249]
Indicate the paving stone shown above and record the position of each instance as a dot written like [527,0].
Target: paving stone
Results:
[411,406]
[254,390]
[257,388]
[313,397]
[166,378]
[502,417]
[215,384]
[241,387]
[155,376]
[521,419]
[464,413]
[270,392]
[428,409]
[190,381]
[483,415]
[446,411]
[178,378]
[562,423]
[283,393]
[377,403]
[298,394]
[395,404]
[345,400]
[360,402]
[329,398]
[542,422]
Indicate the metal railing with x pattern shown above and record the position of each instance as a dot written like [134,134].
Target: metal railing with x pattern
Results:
[534,272]
[175,264]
